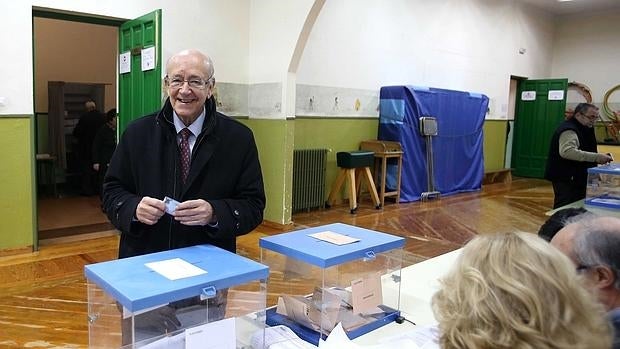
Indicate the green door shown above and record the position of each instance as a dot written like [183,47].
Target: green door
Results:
[139,90]
[538,113]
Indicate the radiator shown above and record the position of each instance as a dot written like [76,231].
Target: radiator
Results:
[309,167]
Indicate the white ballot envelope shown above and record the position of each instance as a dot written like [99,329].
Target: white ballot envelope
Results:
[367,294]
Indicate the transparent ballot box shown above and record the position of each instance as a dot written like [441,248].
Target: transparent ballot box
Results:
[181,298]
[332,274]
[603,188]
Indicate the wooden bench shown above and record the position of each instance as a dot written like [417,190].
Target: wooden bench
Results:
[503,175]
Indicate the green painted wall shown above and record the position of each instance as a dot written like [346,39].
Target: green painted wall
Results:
[17,206]
[274,139]
[494,147]
[336,134]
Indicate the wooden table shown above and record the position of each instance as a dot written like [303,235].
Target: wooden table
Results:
[385,150]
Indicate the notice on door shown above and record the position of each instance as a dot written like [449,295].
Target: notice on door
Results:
[148,58]
[124,62]
[556,95]
[528,95]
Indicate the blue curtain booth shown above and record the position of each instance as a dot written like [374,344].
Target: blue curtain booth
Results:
[457,149]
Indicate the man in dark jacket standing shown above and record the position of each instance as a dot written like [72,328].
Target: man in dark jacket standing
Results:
[203,160]
[84,132]
[103,147]
[572,151]
[188,152]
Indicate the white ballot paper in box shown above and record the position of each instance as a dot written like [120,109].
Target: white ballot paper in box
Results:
[214,335]
[367,294]
[305,312]
[338,339]
[297,308]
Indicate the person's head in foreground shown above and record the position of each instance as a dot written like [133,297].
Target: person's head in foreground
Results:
[593,245]
[513,290]
[558,220]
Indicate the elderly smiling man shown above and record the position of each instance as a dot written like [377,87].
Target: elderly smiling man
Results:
[184,176]
[188,152]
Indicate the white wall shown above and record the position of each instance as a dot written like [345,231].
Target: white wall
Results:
[464,45]
[275,27]
[219,28]
[587,50]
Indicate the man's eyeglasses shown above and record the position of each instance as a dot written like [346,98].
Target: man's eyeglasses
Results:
[580,268]
[591,117]
[177,82]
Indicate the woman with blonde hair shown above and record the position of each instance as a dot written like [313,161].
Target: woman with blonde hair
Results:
[514,290]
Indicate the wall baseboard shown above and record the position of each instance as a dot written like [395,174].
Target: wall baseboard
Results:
[15,251]
[274,225]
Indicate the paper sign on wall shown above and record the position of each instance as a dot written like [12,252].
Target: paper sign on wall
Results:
[556,95]
[148,58]
[528,95]
[124,62]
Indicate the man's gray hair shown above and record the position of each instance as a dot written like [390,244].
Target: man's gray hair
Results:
[598,245]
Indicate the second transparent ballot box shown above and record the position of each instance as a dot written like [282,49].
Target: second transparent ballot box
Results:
[180,298]
[332,274]
[603,189]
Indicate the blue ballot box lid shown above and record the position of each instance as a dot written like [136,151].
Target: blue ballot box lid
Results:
[137,287]
[301,246]
[613,169]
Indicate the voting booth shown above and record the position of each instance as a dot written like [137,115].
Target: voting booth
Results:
[177,299]
[332,274]
[603,189]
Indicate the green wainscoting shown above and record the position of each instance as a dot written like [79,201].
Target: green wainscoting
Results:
[335,134]
[494,147]
[274,139]
[17,206]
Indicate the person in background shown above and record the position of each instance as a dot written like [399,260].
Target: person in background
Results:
[511,290]
[593,244]
[103,147]
[84,132]
[188,152]
[572,151]
[558,220]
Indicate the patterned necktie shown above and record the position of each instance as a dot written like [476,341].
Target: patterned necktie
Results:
[185,153]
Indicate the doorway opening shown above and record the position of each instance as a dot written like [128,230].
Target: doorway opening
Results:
[74,63]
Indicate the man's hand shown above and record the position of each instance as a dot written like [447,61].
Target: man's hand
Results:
[195,212]
[150,210]
[604,158]
[96,167]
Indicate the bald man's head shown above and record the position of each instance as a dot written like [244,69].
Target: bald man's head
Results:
[190,82]
[593,244]
[564,240]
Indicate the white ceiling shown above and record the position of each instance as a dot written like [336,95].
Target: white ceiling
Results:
[575,6]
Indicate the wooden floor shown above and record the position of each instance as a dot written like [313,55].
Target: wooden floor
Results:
[43,294]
